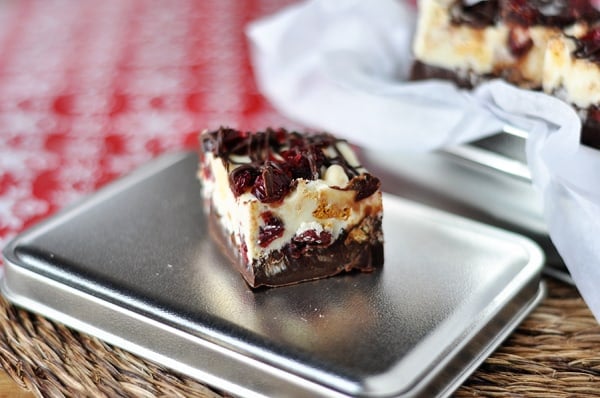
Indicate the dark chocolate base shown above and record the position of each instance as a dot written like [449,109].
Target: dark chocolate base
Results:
[468,79]
[422,71]
[590,133]
[343,255]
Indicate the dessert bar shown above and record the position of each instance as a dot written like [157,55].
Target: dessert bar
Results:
[572,73]
[471,41]
[552,45]
[291,207]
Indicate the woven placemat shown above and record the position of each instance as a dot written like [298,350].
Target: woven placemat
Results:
[555,352]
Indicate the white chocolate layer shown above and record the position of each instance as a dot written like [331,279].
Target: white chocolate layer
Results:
[482,51]
[313,204]
[576,81]
[440,43]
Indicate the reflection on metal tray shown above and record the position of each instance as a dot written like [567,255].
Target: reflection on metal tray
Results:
[134,265]
[487,180]
[503,152]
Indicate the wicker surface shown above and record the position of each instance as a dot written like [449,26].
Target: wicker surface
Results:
[554,353]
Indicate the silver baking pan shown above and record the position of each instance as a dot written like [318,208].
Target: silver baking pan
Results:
[487,180]
[134,265]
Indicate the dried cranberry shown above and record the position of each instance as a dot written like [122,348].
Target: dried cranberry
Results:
[583,9]
[593,36]
[594,114]
[520,12]
[588,46]
[280,136]
[225,141]
[297,163]
[304,160]
[296,140]
[206,173]
[365,185]
[244,247]
[271,230]
[519,41]
[310,236]
[272,184]
[303,242]
[242,178]
[234,141]
[548,12]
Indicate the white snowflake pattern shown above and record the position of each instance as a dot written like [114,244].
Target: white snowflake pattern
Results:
[74,83]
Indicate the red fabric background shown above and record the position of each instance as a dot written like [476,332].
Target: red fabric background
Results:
[89,90]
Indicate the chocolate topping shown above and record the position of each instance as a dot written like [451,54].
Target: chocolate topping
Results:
[478,15]
[523,12]
[558,13]
[588,46]
[423,71]
[278,158]
[519,41]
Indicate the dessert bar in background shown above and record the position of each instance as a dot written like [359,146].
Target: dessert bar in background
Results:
[552,45]
[290,207]
[572,73]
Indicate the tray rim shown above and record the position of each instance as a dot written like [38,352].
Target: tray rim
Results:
[235,384]
[492,160]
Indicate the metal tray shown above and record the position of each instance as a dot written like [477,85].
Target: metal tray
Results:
[134,265]
[487,180]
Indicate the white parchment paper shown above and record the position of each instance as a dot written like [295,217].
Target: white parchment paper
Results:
[340,65]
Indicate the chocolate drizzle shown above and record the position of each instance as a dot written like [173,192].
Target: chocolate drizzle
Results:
[268,163]
[558,13]
[523,12]
[588,46]
[479,15]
